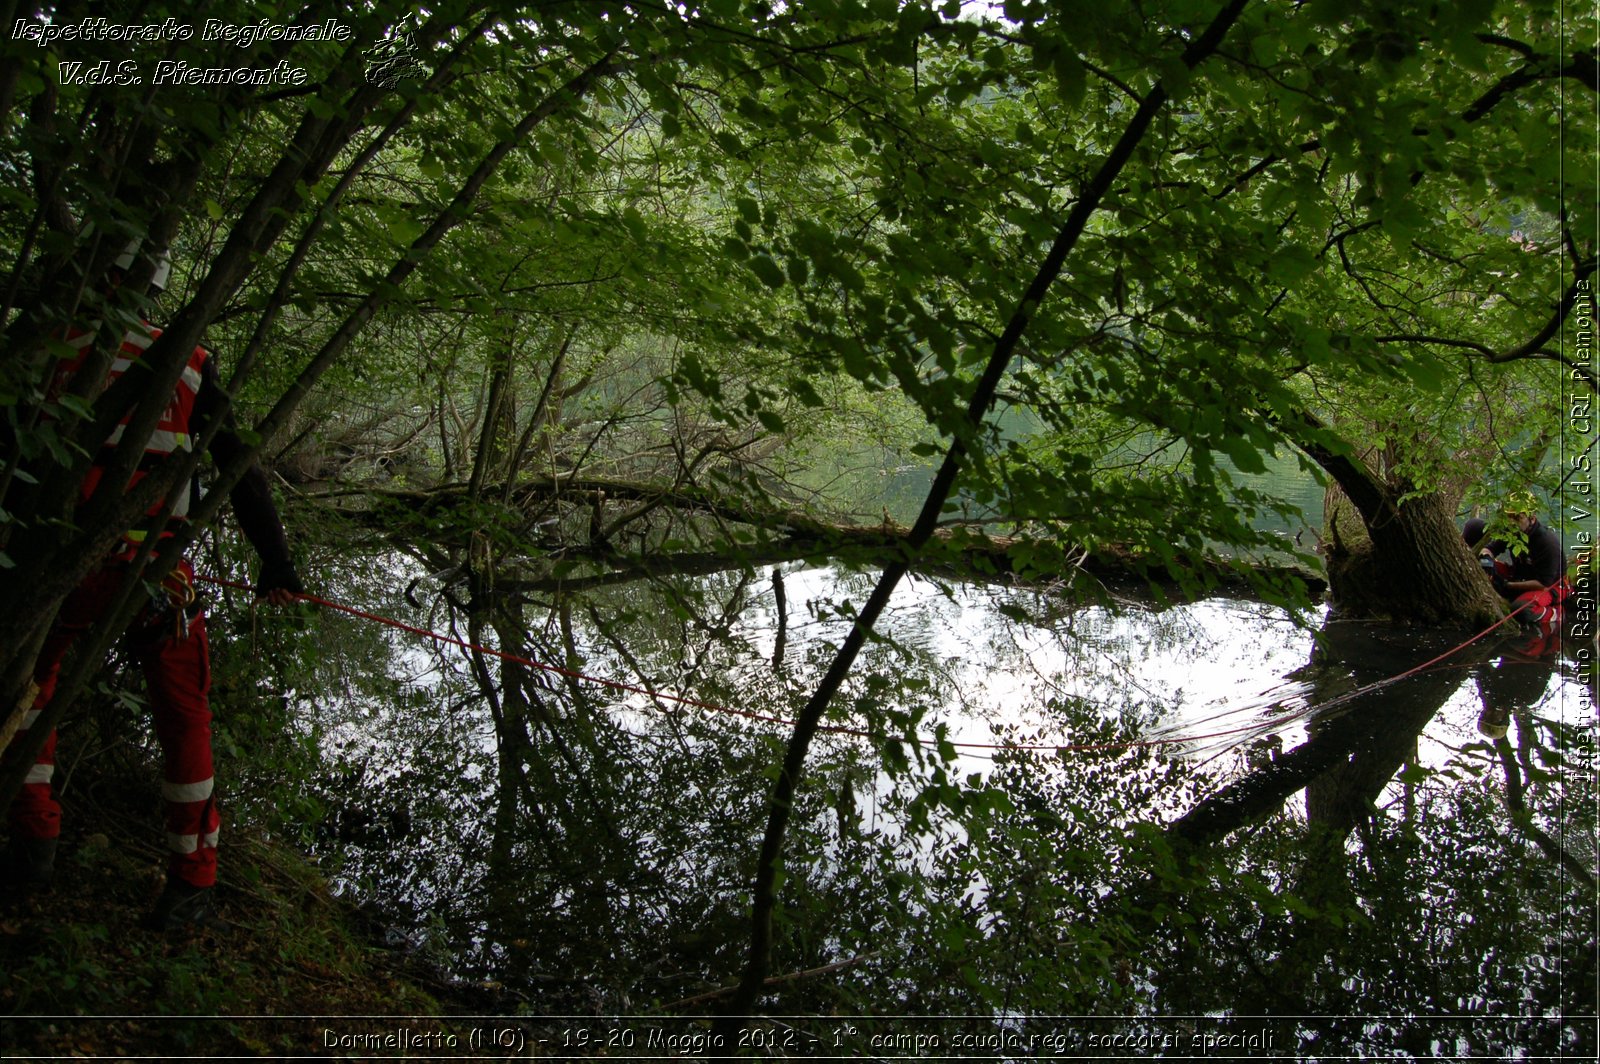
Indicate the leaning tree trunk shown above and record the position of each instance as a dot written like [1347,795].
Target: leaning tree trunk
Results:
[1397,555]
[1408,564]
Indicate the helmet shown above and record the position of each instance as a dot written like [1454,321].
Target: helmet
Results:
[163,262]
[1520,502]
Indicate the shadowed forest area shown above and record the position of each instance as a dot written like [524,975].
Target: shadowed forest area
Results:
[796,524]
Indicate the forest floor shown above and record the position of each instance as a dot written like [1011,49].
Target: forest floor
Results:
[283,975]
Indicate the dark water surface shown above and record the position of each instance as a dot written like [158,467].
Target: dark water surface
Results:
[1375,865]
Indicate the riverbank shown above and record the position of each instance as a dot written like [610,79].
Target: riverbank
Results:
[80,975]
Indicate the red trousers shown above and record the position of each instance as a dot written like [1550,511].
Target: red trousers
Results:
[1538,607]
[1541,607]
[177,665]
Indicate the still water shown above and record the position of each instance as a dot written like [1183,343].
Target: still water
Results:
[983,822]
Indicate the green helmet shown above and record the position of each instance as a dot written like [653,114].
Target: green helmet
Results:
[1520,502]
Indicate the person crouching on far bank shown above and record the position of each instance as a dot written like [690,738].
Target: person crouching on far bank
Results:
[1534,579]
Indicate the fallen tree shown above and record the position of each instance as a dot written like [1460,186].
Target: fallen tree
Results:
[579,520]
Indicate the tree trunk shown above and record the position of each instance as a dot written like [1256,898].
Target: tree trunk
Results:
[1407,564]
[965,551]
[1396,554]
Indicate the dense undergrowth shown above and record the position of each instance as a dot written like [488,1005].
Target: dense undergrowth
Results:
[81,976]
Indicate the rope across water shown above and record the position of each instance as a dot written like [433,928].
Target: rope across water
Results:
[836,729]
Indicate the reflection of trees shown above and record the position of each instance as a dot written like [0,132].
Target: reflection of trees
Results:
[607,840]
[1347,758]
[1514,688]
[611,834]
[574,872]
[1442,903]
[1516,763]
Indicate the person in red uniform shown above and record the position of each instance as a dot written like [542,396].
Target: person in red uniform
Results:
[1534,580]
[168,638]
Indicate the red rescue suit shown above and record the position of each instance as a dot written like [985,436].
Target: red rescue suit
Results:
[168,639]
[171,433]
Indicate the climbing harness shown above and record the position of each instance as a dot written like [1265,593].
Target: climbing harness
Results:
[177,596]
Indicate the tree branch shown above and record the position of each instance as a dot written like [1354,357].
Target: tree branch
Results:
[764,890]
[1533,348]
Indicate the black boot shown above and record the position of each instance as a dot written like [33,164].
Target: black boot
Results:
[28,866]
[183,905]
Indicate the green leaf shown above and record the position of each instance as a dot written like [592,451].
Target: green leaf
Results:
[803,390]
[1413,774]
[76,406]
[1426,370]
[1175,78]
[1244,456]
[767,270]
[1291,264]
[1071,77]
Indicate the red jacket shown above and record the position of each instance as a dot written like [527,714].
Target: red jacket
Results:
[171,434]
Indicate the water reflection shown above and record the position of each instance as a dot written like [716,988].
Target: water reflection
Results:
[1367,695]
[1517,681]
[995,760]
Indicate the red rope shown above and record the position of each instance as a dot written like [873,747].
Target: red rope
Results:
[1380,684]
[837,729]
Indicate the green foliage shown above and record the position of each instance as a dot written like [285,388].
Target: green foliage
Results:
[616,286]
